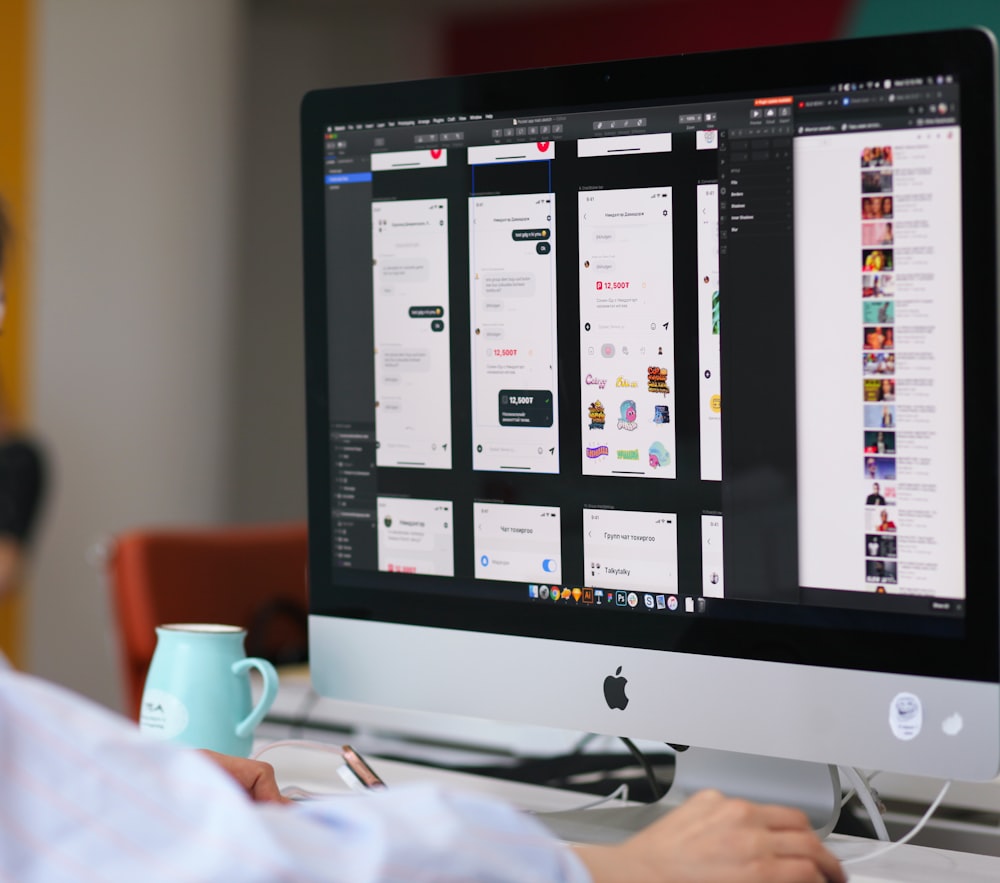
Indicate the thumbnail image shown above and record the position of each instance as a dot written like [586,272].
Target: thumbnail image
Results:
[883,572]
[876,181]
[876,157]
[880,468]
[880,415]
[875,260]
[879,337]
[879,364]
[880,441]
[880,390]
[876,208]
[876,497]
[877,233]
[880,545]
[877,285]
[879,520]
[878,312]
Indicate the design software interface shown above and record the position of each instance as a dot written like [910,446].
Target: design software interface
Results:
[606,349]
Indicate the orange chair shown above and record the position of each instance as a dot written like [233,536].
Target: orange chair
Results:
[253,576]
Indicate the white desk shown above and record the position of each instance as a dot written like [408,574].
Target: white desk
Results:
[316,771]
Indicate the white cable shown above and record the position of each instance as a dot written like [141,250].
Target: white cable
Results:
[916,829]
[862,787]
[620,794]
[852,791]
[300,743]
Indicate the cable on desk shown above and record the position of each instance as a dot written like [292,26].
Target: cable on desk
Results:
[595,774]
[620,794]
[916,829]
[866,794]
[643,761]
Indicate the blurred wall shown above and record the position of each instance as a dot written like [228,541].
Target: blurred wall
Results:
[16,190]
[167,348]
[290,49]
[137,146]
[597,30]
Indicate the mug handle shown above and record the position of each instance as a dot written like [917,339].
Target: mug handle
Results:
[246,726]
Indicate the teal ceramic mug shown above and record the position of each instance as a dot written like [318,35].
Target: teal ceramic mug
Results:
[197,690]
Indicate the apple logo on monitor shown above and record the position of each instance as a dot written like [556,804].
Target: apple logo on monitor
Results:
[614,690]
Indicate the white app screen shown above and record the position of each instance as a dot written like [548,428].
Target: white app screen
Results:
[514,356]
[517,543]
[415,536]
[712,585]
[626,332]
[709,327]
[412,354]
[630,550]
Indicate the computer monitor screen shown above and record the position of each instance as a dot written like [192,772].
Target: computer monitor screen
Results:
[659,398]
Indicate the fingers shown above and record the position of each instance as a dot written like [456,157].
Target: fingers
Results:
[805,849]
[255,776]
[779,839]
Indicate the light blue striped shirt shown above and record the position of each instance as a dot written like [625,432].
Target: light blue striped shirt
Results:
[85,797]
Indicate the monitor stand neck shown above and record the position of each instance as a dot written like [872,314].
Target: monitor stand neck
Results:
[812,787]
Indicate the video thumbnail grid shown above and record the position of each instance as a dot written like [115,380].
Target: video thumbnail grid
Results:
[878,364]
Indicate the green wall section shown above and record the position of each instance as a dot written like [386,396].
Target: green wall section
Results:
[873,17]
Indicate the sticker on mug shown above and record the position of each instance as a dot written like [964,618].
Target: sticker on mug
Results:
[906,716]
[162,715]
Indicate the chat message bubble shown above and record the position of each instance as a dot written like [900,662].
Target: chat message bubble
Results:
[525,407]
[405,359]
[410,270]
[533,235]
[516,284]
[492,333]
[426,312]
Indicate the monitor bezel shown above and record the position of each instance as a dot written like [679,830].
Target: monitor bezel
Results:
[869,642]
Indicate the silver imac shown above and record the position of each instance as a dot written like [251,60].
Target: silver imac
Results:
[659,398]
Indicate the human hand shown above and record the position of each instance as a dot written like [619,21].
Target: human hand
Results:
[255,776]
[715,839]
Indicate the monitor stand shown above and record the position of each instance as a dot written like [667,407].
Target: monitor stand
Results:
[812,787]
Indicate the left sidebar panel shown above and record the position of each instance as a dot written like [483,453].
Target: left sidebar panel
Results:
[354,492]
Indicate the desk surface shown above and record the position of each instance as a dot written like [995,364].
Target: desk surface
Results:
[316,771]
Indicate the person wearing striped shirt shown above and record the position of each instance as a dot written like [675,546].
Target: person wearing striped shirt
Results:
[84,796]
